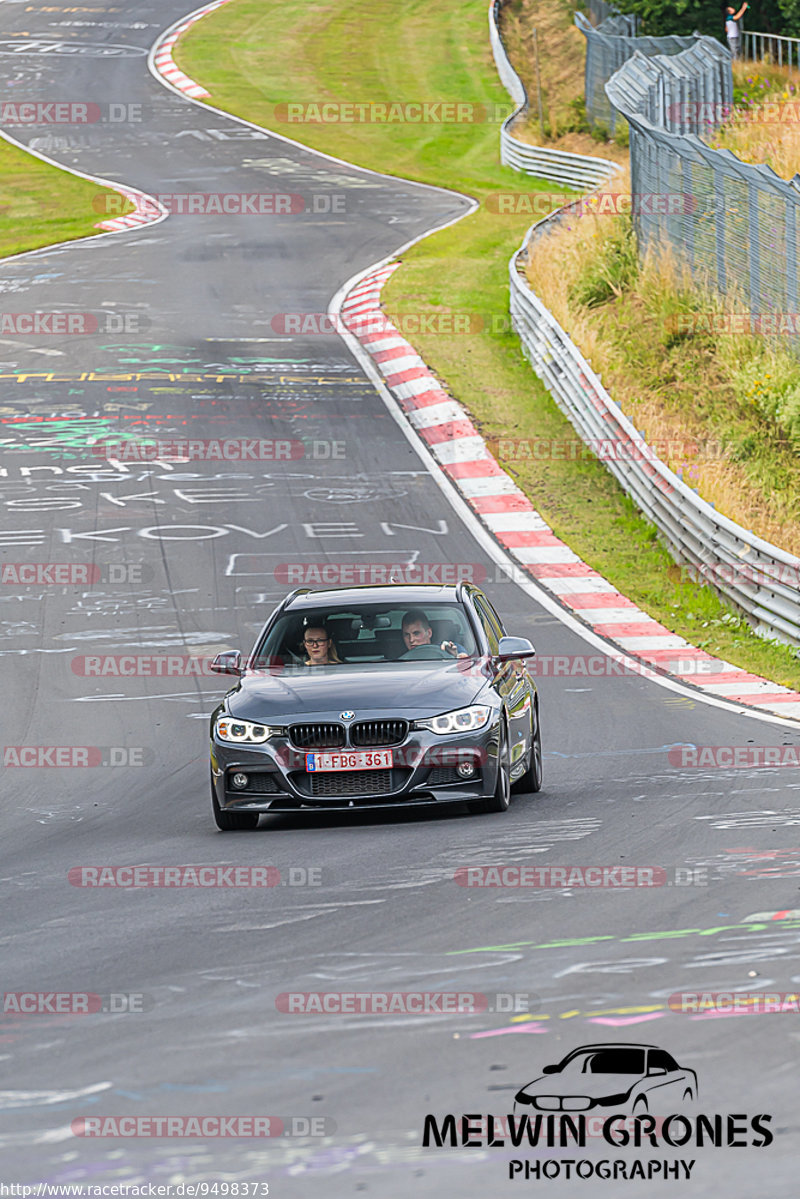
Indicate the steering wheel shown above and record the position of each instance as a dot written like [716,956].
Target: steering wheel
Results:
[291,658]
[425,651]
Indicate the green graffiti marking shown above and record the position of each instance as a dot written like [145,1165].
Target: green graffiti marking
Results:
[749,927]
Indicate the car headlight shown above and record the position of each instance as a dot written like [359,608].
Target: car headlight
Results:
[614,1100]
[242,732]
[463,720]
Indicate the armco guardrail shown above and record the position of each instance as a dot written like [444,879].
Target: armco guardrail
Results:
[760,579]
[582,171]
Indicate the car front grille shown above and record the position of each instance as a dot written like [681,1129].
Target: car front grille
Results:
[562,1103]
[317,736]
[346,783]
[379,732]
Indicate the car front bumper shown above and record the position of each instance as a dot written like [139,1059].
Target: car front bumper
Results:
[424,773]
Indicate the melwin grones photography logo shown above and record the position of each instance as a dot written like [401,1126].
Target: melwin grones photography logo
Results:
[622,1095]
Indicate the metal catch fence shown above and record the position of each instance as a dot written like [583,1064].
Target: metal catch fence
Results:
[738,225]
[609,46]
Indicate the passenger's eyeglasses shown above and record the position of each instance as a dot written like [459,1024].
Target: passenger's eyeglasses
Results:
[317,641]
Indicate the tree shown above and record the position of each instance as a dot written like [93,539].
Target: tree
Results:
[683,17]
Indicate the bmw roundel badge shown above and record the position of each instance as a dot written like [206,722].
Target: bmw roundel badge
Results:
[347,715]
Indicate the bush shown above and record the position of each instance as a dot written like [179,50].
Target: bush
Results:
[613,270]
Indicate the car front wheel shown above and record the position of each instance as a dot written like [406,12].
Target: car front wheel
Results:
[502,793]
[531,780]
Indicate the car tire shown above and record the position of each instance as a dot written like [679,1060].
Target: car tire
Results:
[501,799]
[531,780]
[640,1106]
[230,822]
[688,1097]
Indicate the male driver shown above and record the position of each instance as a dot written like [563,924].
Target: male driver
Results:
[417,631]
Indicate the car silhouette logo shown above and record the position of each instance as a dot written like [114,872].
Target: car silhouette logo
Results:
[347,715]
[628,1078]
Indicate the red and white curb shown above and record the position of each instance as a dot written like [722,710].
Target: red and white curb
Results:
[146,210]
[164,62]
[458,447]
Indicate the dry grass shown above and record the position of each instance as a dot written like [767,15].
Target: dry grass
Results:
[686,394]
[765,126]
[562,53]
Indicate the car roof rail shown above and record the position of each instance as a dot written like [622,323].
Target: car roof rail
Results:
[461,587]
[293,595]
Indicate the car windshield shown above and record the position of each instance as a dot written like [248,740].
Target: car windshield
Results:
[608,1061]
[370,634]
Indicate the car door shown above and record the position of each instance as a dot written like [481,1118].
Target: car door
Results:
[509,681]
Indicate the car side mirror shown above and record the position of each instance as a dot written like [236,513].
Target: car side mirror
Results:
[514,647]
[549,1069]
[656,1070]
[229,662]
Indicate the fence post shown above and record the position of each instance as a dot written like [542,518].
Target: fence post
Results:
[720,231]
[538,82]
[687,183]
[753,244]
[791,256]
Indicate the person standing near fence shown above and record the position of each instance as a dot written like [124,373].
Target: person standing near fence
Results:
[732,28]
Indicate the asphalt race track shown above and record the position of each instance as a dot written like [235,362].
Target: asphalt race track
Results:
[188,558]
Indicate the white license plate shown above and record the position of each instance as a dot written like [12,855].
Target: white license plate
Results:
[365,759]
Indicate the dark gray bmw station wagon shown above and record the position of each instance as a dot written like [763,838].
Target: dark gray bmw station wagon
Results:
[368,697]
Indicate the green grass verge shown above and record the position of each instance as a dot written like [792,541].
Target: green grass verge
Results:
[254,61]
[41,205]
